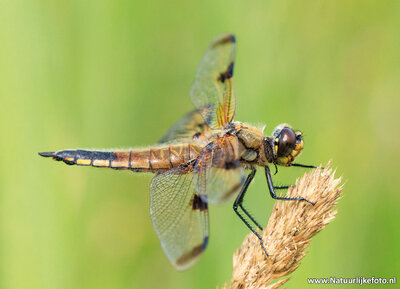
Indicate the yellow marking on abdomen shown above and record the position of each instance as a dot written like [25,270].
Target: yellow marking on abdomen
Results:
[101,163]
[83,162]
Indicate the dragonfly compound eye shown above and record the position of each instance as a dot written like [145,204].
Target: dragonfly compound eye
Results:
[287,142]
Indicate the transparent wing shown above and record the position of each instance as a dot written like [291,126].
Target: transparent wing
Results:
[187,127]
[179,216]
[219,173]
[179,199]
[212,92]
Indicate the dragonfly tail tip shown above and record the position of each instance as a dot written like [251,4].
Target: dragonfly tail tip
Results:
[47,154]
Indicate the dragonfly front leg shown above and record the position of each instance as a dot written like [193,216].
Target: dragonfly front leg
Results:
[272,189]
[239,204]
[303,166]
[293,165]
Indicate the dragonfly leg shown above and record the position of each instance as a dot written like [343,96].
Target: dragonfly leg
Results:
[303,166]
[239,203]
[281,187]
[292,165]
[272,189]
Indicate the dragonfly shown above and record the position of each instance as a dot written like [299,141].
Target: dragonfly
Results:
[205,158]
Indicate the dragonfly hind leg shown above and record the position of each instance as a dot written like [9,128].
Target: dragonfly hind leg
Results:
[239,204]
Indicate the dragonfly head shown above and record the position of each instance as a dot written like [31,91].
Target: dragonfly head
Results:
[287,144]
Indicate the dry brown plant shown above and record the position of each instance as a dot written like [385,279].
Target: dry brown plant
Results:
[290,228]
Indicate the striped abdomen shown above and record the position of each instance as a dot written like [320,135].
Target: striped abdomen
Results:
[139,160]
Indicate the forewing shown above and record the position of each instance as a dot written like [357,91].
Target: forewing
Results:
[219,173]
[212,92]
[179,216]
[187,127]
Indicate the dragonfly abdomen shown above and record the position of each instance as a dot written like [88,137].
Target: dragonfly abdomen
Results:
[138,160]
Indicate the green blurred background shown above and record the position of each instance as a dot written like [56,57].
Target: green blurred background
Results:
[109,74]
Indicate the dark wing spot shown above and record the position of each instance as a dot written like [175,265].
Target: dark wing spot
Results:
[230,38]
[196,135]
[232,165]
[192,254]
[227,74]
[198,203]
